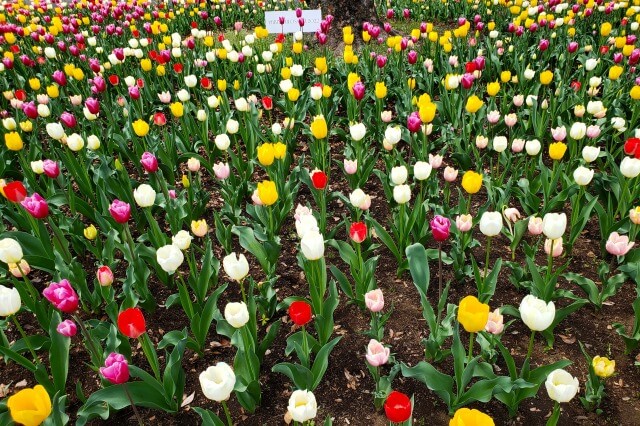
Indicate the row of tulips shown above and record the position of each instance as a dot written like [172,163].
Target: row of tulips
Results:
[122,126]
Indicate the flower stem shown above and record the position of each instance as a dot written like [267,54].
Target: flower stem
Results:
[531,339]
[486,265]
[95,354]
[133,405]
[26,340]
[227,413]
[550,261]
[471,338]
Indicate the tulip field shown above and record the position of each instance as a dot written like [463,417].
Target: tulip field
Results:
[426,218]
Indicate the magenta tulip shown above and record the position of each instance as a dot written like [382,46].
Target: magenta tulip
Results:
[62,296]
[440,228]
[116,369]
[67,328]
[51,168]
[36,206]
[149,162]
[120,211]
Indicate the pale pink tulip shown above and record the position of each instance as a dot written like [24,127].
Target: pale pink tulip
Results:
[464,222]
[618,245]
[557,246]
[377,354]
[495,324]
[450,174]
[374,300]
[535,225]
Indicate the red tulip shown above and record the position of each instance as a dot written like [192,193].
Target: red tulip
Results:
[114,79]
[632,147]
[358,232]
[319,179]
[205,82]
[131,323]
[15,191]
[159,119]
[300,312]
[397,407]
[267,103]
[177,67]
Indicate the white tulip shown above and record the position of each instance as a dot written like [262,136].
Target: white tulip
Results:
[43,110]
[297,70]
[583,176]
[359,199]
[232,126]
[237,267]
[578,130]
[357,131]
[183,95]
[312,245]
[236,314]
[590,64]
[9,301]
[75,142]
[554,225]
[306,223]
[533,147]
[630,167]
[213,101]
[402,194]
[37,167]
[286,85]
[590,153]
[182,240]
[217,382]
[536,313]
[93,142]
[55,131]
[222,141]
[422,170]
[190,80]
[399,175]
[144,195]
[491,223]
[242,105]
[393,134]
[561,386]
[10,251]
[169,258]
[302,406]
[500,143]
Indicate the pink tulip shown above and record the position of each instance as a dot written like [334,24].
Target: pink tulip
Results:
[67,328]
[435,161]
[412,57]
[495,324]
[374,300]
[221,170]
[573,47]
[440,228]
[116,369]
[256,199]
[36,206]
[104,276]
[517,145]
[68,119]
[557,246]
[450,174]
[51,168]
[149,162]
[464,222]
[377,354]
[618,245]
[381,61]
[350,166]
[62,296]
[593,131]
[93,105]
[358,90]
[120,211]
[413,122]
[512,214]
[535,225]
[559,133]
[30,110]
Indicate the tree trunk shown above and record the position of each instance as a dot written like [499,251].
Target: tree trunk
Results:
[348,12]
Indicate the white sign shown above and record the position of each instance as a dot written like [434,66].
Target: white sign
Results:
[290,22]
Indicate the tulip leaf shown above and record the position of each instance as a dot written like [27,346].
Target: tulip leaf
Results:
[301,376]
[58,354]
[436,381]
[321,361]
[419,267]
[209,418]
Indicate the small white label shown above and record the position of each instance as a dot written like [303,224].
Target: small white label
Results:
[312,19]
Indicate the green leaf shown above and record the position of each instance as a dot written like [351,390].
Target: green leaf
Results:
[58,354]
[301,376]
[419,267]
[321,361]
[436,381]
[209,418]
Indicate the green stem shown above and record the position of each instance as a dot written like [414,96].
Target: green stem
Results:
[149,353]
[471,337]
[550,261]
[439,280]
[486,265]
[531,339]
[130,243]
[24,337]
[305,348]
[227,413]
[95,353]
[133,405]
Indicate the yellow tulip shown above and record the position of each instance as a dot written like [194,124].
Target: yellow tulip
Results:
[546,77]
[13,141]
[472,314]
[146,65]
[615,72]
[381,90]
[605,29]
[321,65]
[411,83]
[285,73]
[474,103]
[140,127]
[177,109]
[505,76]
[293,94]
[319,127]
[366,37]
[557,150]
[352,79]
[472,182]
[30,407]
[603,367]
[427,112]
[222,85]
[90,232]
[53,91]
[635,93]
[78,74]
[267,192]
[236,84]
[266,154]
[493,88]
[26,126]
[326,91]
[297,47]
[466,416]
[279,150]
[34,83]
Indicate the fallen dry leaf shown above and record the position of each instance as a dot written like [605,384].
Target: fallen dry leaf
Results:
[21,384]
[187,399]
[569,340]
[4,390]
